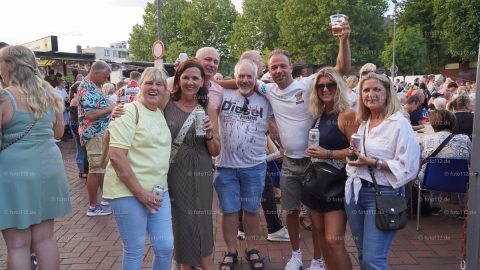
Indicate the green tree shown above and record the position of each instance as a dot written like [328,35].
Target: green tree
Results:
[305,30]
[410,50]
[420,13]
[209,23]
[143,35]
[458,20]
[257,27]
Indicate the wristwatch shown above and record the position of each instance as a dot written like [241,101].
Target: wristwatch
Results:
[378,164]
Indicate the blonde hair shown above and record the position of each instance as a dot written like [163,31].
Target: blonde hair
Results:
[38,94]
[107,88]
[392,104]
[367,67]
[352,81]
[152,74]
[341,102]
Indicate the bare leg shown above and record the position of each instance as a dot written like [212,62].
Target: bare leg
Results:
[318,235]
[44,243]
[94,181]
[251,222]
[18,248]
[335,223]
[207,262]
[293,226]
[230,227]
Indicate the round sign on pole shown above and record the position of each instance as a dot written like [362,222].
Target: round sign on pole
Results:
[158,50]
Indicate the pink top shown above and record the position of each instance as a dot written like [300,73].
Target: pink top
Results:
[215,94]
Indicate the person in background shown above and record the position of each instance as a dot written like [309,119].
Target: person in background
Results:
[440,103]
[218,76]
[93,116]
[74,87]
[352,81]
[133,87]
[460,146]
[390,148]
[30,118]
[329,103]
[60,89]
[51,78]
[120,86]
[461,107]
[108,90]
[414,109]
[139,155]
[81,156]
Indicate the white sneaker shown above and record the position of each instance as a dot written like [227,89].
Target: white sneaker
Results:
[295,263]
[104,203]
[240,235]
[317,265]
[279,236]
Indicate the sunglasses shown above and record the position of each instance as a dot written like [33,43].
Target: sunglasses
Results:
[376,71]
[245,105]
[330,86]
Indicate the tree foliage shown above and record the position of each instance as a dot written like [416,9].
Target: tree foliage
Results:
[305,30]
[209,23]
[458,21]
[257,27]
[410,50]
[143,36]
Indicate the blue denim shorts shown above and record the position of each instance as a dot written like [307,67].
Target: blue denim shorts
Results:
[240,188]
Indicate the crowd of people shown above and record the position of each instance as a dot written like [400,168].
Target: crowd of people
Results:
[157,177]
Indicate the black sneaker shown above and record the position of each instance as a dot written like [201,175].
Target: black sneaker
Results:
[436,211]
[33,261]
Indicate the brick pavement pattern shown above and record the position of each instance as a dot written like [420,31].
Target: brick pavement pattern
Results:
[94,243]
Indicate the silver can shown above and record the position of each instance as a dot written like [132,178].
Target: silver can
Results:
[199,116]
[313,137]
[354,146]
[158,190]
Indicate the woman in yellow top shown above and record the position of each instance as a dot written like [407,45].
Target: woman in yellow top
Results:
[139,154]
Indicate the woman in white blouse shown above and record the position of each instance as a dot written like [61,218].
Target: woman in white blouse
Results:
[393,153]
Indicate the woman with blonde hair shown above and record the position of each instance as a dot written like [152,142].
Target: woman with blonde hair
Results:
[336,122]
[139,154]
[33,184]
[388,154]
[352,82]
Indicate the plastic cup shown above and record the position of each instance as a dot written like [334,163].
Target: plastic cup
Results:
[182,57]
[336,21]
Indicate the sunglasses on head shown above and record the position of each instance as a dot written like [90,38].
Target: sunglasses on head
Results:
[376,71]
[330,86]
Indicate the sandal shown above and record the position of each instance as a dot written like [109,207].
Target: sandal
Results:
[253,262]
[230,265]
[82,175]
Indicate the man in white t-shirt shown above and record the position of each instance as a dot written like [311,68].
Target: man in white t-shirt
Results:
[241,166]
[289,99]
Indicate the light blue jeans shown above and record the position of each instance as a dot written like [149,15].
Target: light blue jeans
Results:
[372,243]
[133,221]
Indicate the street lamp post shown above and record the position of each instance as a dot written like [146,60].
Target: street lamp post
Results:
[394,37]
[159,63]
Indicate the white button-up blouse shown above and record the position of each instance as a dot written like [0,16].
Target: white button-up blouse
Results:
[392,141]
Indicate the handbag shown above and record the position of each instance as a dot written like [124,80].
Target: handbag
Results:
[178,141]
[325,181]
[391,214]
[106,140]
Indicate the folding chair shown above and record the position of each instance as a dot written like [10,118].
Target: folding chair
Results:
[444,175]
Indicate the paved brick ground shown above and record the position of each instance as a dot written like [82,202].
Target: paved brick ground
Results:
[94,243]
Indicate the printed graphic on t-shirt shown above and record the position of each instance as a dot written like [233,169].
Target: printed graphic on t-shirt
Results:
[299,97]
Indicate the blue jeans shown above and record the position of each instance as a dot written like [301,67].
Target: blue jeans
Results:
[133,221]
[372,243]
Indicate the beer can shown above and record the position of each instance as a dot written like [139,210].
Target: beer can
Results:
[199,116]
[354,146]
[158,190]
[313,137]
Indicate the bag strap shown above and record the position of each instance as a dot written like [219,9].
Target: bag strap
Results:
[370,169]
[439,148]
[5,146]
[137,116]
[178,141]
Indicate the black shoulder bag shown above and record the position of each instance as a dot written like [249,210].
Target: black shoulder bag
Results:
[325,181]
[391,214]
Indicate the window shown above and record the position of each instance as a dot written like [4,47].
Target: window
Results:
[106,52]
[115,53]
[123,55]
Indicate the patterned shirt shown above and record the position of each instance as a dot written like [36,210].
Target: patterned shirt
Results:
[459,147]
[90,98]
